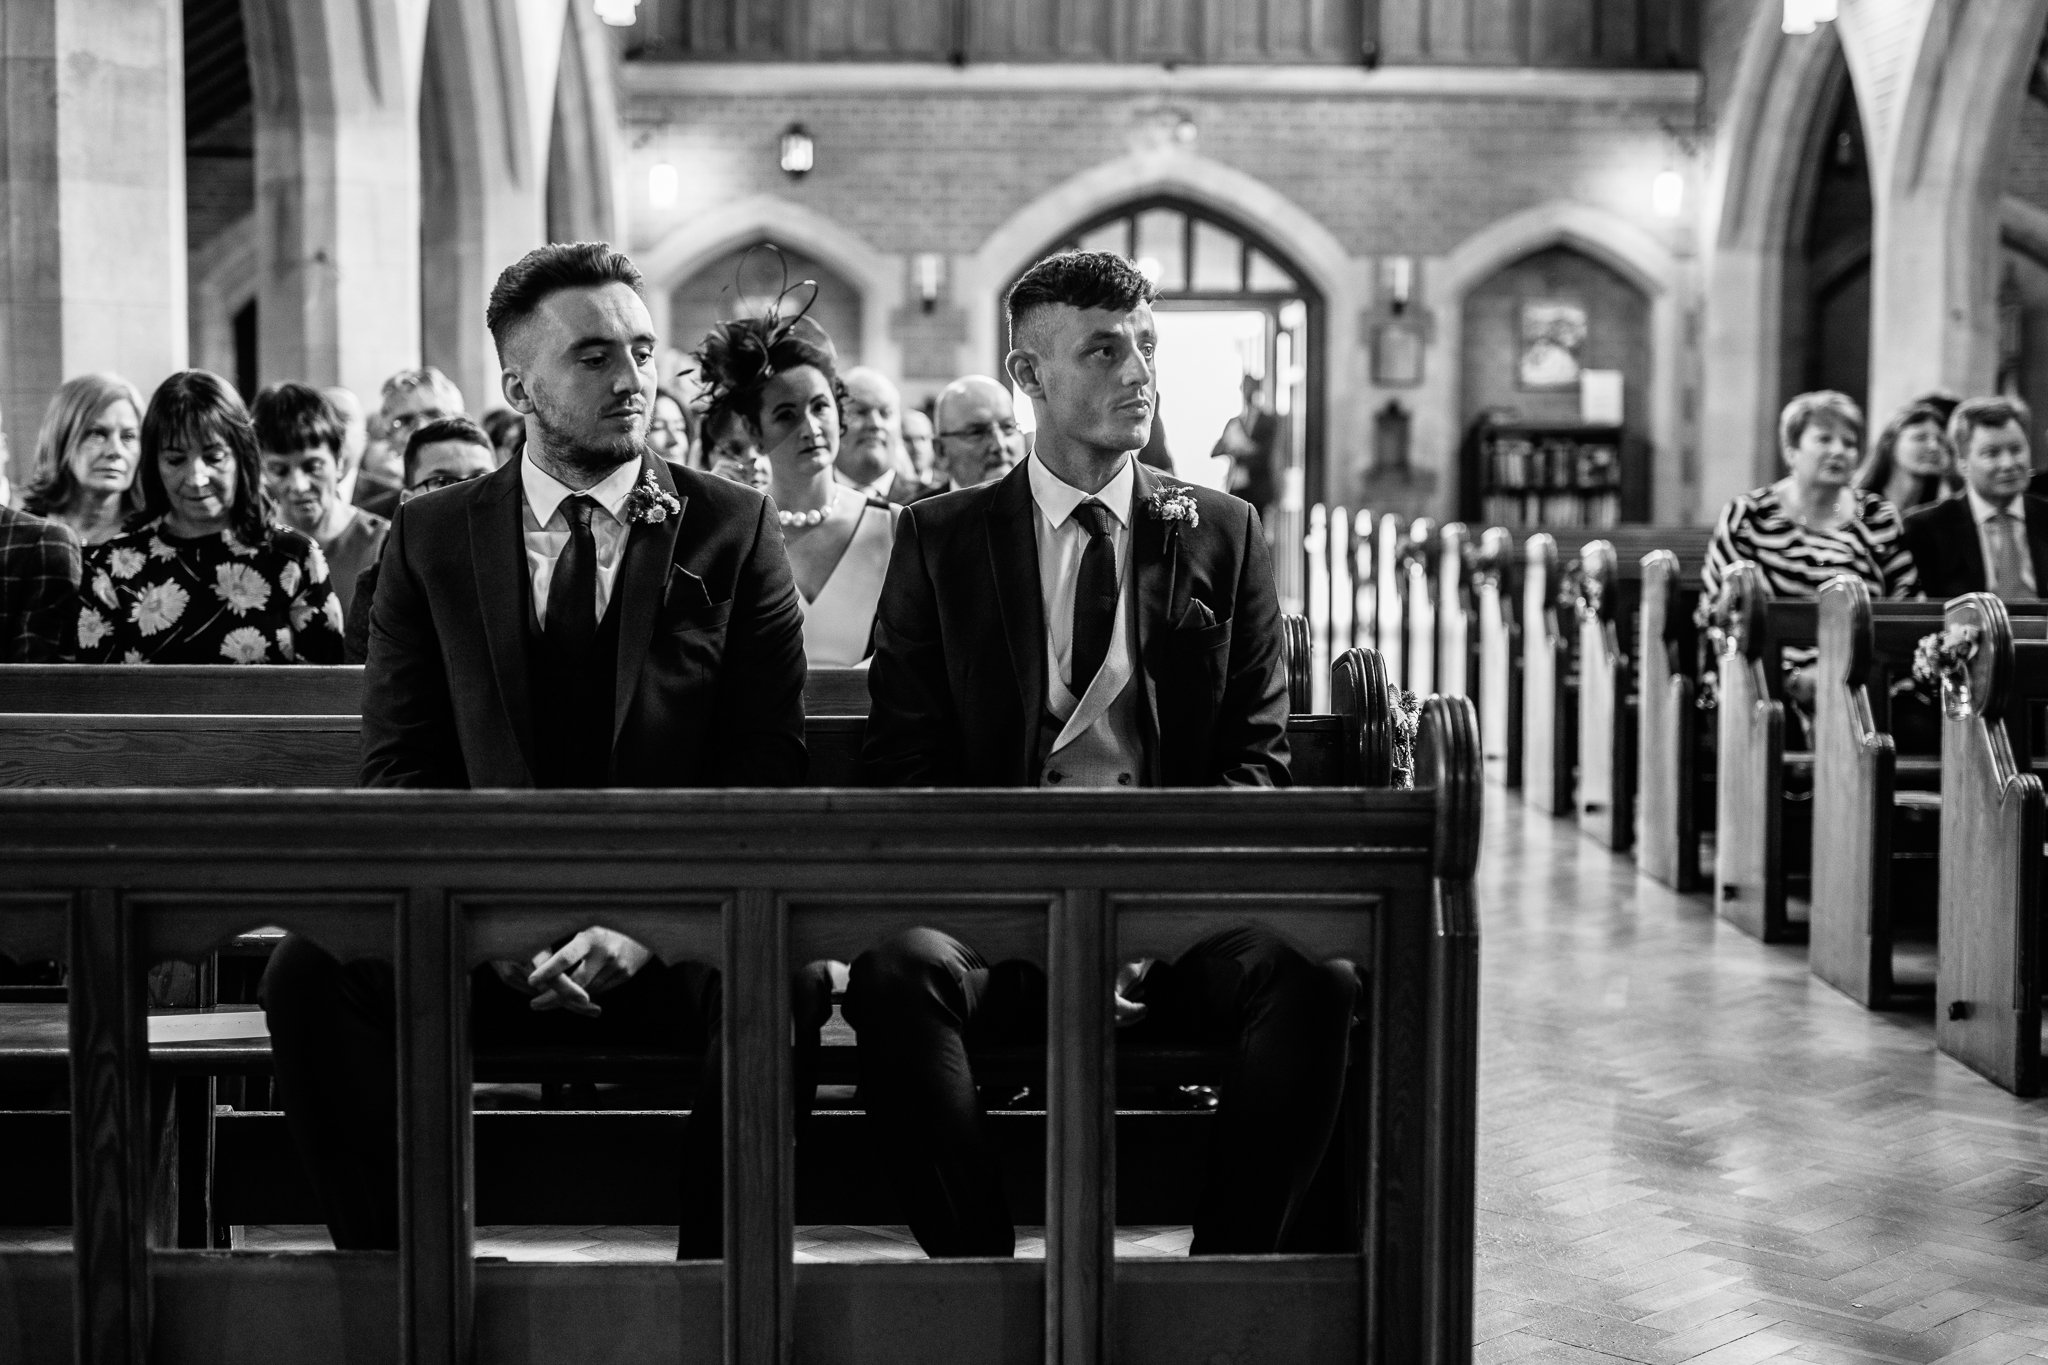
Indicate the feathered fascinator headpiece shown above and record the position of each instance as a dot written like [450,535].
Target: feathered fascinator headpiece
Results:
[740,356]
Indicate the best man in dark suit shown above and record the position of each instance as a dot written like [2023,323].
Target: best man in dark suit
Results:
[1994,538]
[1134,640]
[587,616]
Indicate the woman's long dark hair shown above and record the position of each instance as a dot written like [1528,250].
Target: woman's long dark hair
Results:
[193,407]
[1876,474]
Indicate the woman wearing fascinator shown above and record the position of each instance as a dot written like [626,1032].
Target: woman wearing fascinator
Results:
[779,376]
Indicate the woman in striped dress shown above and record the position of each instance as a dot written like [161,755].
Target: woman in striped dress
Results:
[1812,524]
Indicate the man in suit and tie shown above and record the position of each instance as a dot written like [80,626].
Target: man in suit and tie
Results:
[1134,640]
[1994,538]
[587,616]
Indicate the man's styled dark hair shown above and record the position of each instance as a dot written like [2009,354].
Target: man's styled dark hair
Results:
[443,429]
[294,417]
[1993,413]
[1079,279]
[547,270]
[188,409]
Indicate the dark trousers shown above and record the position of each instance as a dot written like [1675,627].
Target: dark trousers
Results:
[923,1000]
[333,1042]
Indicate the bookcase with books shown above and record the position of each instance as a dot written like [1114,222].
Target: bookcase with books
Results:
[1521,473]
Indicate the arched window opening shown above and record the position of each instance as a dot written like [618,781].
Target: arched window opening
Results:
[1827,270]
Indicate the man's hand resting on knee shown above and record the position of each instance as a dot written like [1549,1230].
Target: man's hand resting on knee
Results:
[587,965]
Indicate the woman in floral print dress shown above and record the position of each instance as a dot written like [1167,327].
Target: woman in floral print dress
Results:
[202,574]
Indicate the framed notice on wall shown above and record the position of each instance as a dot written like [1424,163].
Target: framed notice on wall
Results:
[1552,344]
[1396,354]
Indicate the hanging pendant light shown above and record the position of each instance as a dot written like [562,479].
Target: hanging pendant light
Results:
[617,13]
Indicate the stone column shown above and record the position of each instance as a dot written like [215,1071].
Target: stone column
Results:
[92,198]
[337,192]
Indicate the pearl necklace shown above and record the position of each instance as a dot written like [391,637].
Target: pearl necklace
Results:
[803,521]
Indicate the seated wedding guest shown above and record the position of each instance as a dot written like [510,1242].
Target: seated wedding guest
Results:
[920,448]
[730,450]
[779,376]
[301,439]
[39,568]
[669,433]
[86,457]
[1995,537]
[979,439]
[1812,524]
[1031,634]
[507,430]
[871,458]
[512,611]
[355,437]
[438,455]
[204,576]
[411,398]
[1911,462]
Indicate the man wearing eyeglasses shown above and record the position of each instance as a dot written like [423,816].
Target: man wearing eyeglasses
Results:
[979,440]
[438,454]
[412,398]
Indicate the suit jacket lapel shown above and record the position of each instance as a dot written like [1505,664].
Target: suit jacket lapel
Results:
[497,550]
[2037,542]
[639,589]
[1155,552]
[1013,557]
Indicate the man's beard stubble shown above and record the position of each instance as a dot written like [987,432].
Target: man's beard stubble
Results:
[567,449]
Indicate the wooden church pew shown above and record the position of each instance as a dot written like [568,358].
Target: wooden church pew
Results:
[1989,981]
[1419,608]
[1870,828]
[1497,600]
[1605,791]
[1549,701]
[1457,642]
[1674,767]
[1074,880]
[1390,584]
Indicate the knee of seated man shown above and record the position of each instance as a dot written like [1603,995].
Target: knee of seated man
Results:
[1325,991]
[906,968]
[301,978]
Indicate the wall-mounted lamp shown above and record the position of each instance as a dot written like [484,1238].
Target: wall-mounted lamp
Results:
[1667,194]
[617,13]
[799,152]
[1803,16]
[662,184]
[1397,280]
[1185,132]
[928,269]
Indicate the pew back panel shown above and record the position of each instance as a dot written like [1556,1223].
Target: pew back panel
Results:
[1668,726]
[1549,713]
[1391,621]
[184,689]
[1496,590]
[448,864]
[1606,722]
[1454,643]
[1993,820]
[1749,850]
[1418,574]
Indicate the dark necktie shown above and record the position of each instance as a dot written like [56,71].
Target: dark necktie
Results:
[1094,596]
[572,594]
[2007,566]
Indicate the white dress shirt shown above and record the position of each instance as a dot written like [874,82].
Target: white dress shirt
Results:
[1982,512]
[547,528]
[880,488]
[1061,540]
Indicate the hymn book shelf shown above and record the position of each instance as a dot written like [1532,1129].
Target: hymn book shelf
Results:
[1557,475]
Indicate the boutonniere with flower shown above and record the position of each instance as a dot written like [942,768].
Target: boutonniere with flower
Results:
[1175,504]
[650,504]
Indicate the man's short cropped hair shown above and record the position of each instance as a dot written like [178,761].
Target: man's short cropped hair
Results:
[426,377]
[547,270]
[1821,405]
[1079,279]
[443,429]
[290,418]
[1995,412]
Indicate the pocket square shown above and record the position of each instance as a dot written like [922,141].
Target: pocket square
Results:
[684,591]
[1197,616]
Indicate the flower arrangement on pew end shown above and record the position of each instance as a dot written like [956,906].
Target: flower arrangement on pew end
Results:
[1942,661]
[1407,721]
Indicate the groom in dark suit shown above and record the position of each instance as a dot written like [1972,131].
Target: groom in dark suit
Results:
[588,616]
[1135,641]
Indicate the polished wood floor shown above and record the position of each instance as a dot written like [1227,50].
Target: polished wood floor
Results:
[1691,1150]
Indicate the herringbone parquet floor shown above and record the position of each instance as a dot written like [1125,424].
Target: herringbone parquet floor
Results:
[1690,1149]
